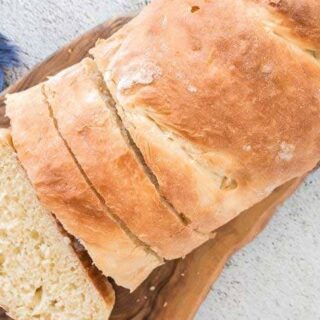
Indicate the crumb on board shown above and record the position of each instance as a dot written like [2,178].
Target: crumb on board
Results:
[165,304]
[152,288]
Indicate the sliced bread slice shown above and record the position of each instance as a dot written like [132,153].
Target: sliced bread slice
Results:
[41,276]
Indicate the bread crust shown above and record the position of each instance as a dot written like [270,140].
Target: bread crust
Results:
[86,121]
[216,79]
[300,17]
[100,282]
[64,191]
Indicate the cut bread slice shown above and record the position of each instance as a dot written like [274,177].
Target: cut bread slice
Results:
[61,185]
[86,119]
[41,276]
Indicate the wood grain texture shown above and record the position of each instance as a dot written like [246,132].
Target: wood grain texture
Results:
[175,290]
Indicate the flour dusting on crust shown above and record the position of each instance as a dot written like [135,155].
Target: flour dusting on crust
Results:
[247,148]
[164,22]
[192,88]
[142,73]
[107,75]
[286,151]
[266,69]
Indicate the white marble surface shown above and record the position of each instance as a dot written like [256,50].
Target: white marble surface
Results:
[275,277]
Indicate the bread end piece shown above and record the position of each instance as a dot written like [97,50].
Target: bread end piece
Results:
[41,276]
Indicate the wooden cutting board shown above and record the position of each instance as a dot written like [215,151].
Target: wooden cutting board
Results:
[176,290]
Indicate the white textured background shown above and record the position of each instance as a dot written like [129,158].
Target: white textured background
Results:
[278,275]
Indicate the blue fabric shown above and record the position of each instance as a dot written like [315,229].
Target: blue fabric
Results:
[1,80]
[9,58]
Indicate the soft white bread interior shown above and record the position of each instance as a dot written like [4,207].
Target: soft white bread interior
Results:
[41,276]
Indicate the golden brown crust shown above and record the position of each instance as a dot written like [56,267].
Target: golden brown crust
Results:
[301,16]
[90,128]
[241,99]
[62,188]
[99,280]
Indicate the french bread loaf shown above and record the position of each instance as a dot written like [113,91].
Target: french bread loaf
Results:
[41,276]
[206,108]
[221,97]
[62,187]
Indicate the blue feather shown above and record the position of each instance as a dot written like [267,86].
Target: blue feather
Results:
[9,57]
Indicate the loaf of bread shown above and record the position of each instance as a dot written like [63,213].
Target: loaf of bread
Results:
[222,98]
[43,273]
[190,114]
